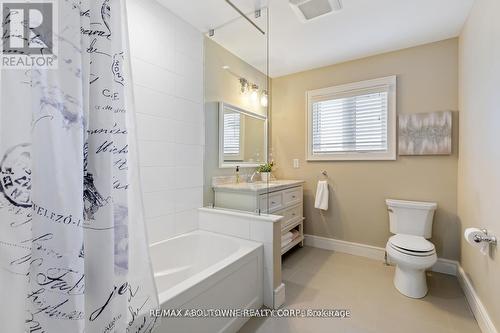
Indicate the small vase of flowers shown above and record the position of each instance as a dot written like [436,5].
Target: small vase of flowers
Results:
[265,171]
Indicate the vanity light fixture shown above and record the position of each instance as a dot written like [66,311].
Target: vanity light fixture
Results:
[252,91]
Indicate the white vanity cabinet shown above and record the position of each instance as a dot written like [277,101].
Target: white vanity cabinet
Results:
[281,197]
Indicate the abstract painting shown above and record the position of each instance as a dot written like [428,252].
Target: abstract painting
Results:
[425,133]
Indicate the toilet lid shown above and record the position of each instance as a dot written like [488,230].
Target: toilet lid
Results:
[412,243]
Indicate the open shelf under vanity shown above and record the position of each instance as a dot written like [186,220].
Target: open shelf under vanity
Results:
[299,226]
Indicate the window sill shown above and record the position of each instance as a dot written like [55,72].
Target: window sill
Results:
[353,157]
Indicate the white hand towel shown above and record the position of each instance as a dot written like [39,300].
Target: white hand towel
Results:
[321,201]
[295,234]
[286,236]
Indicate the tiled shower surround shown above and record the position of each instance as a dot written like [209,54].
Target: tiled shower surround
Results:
[167,68]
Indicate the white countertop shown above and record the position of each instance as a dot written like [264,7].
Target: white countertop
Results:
[258,187]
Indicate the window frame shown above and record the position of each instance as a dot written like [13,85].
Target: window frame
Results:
[389,155]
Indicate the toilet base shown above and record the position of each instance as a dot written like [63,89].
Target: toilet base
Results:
[410,282]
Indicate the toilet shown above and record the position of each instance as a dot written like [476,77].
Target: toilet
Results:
[409,249]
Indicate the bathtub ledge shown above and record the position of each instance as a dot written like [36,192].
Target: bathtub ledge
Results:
[263,217]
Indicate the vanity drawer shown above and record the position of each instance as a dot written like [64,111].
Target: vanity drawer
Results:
[272,202]
[292,196]
[291,215]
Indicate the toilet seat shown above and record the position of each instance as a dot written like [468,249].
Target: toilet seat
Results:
[412,245]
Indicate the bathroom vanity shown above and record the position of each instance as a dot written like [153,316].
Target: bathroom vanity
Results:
[278,197]
[243,145]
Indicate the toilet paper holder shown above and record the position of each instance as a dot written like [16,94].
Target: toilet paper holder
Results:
[492,240]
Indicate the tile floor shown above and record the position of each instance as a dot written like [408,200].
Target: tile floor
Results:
[319,279]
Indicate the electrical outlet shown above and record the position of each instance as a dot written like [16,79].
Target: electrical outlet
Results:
[296,163]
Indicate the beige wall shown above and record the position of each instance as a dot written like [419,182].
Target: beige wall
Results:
[222,85]
[427,81]
[479,163]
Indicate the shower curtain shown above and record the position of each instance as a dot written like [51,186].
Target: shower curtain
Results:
[73,250]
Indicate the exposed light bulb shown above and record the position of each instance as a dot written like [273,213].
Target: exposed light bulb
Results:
[255,93]
[254,96]
[264,101]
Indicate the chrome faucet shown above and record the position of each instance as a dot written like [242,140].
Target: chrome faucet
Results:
[251,178]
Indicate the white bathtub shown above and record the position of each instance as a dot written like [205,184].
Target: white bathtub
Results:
[204,270]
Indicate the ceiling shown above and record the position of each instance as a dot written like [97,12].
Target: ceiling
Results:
[362,28]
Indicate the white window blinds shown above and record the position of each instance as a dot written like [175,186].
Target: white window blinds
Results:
[232,130]
[353,123]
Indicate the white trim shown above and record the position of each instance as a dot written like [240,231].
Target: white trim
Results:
[356,249]
[445,266]
[390,154]
[483,318]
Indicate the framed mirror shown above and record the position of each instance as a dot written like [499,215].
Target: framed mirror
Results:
[242,137]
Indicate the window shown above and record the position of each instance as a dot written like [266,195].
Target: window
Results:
[354,121]
[232,136]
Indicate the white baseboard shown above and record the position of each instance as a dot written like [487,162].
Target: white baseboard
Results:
[444,266]
[477,307]
[357,249]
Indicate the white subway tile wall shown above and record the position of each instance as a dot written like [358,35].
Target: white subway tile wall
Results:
[167,68]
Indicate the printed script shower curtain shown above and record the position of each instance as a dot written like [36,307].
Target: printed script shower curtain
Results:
[73,251]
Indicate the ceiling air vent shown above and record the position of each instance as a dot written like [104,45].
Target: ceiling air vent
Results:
[307,10]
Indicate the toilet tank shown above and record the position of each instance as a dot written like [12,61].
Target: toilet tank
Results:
[411,217]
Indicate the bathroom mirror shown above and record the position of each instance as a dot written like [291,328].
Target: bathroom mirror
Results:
[242,137]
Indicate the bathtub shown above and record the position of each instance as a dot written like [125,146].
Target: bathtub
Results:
[205,270]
